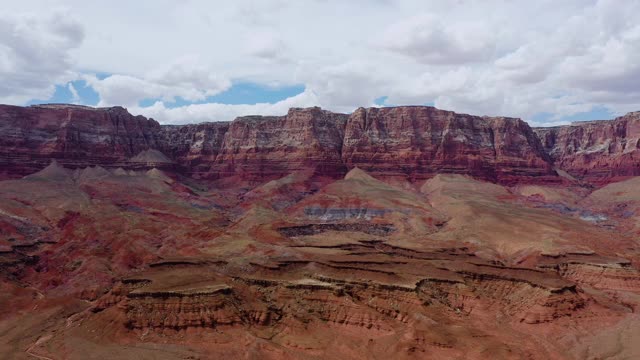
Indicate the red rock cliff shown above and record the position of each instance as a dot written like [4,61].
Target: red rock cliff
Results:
[596,151]
[418,142]
[74,135]
[413,142]
[268,147]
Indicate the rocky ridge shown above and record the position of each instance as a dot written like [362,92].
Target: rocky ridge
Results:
[410,143]
[596,151]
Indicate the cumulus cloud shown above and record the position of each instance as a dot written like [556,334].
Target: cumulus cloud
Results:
[517,58]
[428,39]
[35,54]
[221,112]
[612,65]
[266,45]
[186,78]
[343,87]
[428,86]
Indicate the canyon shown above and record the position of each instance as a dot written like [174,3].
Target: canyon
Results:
[402,232]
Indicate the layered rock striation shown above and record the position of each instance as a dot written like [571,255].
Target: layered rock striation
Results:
[30,137]
[409,142]
[418,142]
[596,151]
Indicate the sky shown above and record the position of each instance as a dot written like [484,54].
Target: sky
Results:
[547,62]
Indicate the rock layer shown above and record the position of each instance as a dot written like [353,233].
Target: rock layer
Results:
[418,142]
[410,142]
[77,136]
[596,151]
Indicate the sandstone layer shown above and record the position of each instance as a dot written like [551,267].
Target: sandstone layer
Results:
[407,142]
[596,151]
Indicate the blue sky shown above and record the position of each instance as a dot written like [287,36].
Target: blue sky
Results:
[62,94]
[598,113]
[204,61]
[239,93]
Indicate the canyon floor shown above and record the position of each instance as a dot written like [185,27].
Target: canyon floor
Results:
[102,263]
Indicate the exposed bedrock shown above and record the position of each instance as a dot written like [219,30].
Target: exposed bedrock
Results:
[312,229]
[418,142]
[365,294]
[253,147]
[30,137]
[596,151]
[409,142]
[363,305]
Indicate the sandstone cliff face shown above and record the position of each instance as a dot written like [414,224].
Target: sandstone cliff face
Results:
[269,147]
[412,142]
[74,135]
[193,147]
[596,151]
[419,142]
[251,147]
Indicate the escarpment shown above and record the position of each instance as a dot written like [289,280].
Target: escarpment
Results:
[75,135]
[418,142]
[596,151]
[407,142]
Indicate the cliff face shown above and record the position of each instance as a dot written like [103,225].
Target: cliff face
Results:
[596,151]
[413,142]
[419,142]
[194,147]
[268,147]
[251,147]
[74,135]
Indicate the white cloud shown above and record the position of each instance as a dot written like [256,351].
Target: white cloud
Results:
[515,58]
[35,54]
[428,39]
[343,87]
[75,98]
[266,45]
[189,72]
[185,78]
[430,85]
[613,65]
[221,112]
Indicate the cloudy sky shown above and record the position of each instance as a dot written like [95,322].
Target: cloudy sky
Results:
[548,62]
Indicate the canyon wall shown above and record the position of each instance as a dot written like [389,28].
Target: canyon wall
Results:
[596,151]
[418,142]
[409,142]
[74,135]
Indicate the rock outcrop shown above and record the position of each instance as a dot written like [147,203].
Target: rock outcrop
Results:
[418,142]
[272,147]
[76,136]
[409,142]
[596,151]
